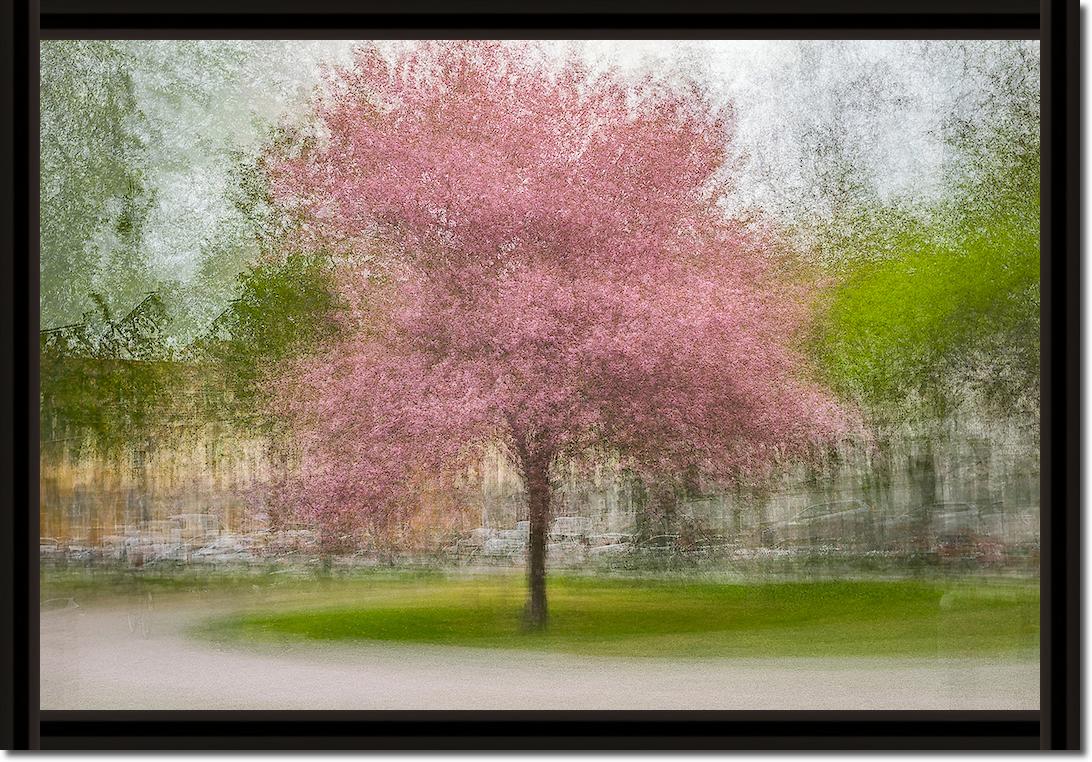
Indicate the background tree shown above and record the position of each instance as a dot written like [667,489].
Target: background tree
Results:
[284,309]
[108,380]
[531,256]
[934,311]
[283,306]
[942,308]
[94,202]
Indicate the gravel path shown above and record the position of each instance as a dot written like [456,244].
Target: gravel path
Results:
[138,657]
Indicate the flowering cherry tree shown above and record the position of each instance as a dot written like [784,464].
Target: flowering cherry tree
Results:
[532,257]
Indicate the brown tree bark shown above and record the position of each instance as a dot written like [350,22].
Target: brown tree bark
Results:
[926,495]
[536,473]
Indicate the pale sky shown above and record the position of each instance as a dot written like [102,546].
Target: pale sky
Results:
[884,101]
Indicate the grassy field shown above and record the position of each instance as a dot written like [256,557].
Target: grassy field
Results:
[676,618]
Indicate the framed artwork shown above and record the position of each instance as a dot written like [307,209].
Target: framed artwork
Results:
[668,376]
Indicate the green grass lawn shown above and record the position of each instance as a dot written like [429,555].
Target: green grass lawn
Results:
[618,617]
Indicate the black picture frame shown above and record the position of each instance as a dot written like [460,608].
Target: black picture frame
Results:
[1055,726]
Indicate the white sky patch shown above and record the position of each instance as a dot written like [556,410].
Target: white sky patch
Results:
[203,102]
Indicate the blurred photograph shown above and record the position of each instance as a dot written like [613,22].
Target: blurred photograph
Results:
[539,374]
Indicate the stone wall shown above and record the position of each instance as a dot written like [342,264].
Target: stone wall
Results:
[86,494]
[991,464]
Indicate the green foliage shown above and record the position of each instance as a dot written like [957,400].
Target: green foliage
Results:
[107,380]
[250,194]
[911,324]
[117,380]
[284,309]
[93,196]
[931,309]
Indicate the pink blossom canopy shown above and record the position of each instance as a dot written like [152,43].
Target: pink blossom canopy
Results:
[534,258]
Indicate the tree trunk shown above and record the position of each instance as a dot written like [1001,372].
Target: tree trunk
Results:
[876,485]
[926,497]
[538,504]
